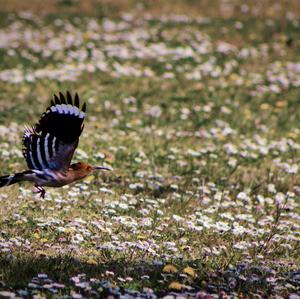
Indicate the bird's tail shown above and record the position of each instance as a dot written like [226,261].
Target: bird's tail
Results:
[7,180]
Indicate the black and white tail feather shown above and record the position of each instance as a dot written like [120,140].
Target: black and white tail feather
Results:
[7,180]
[48,147]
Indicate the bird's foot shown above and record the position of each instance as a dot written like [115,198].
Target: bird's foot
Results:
[41,190]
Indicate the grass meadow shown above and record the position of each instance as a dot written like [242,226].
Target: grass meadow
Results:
[195,105]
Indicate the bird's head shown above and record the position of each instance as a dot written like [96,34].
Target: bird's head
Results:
[85,169]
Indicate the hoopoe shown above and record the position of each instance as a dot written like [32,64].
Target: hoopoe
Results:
[48,147]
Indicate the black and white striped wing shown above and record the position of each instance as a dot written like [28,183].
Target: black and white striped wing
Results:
[46,151]
[52,142]
[63,118]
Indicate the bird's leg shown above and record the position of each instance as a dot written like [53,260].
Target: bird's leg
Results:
[41,190]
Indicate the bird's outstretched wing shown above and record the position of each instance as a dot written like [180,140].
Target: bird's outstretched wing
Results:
[52,141]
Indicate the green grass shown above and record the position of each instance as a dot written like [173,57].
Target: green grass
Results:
[206,169]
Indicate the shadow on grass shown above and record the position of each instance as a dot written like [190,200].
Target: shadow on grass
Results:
[17,272]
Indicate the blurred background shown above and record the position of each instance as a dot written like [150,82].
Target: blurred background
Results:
[195,104]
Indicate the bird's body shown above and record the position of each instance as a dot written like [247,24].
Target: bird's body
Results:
[48,147]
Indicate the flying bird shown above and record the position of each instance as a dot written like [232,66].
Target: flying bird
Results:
[49,146]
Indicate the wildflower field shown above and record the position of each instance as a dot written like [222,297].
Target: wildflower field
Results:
[196,106]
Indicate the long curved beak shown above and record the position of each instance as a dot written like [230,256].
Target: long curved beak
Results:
[103,168]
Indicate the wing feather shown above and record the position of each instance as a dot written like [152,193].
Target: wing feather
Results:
[63,119]
[53,140]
